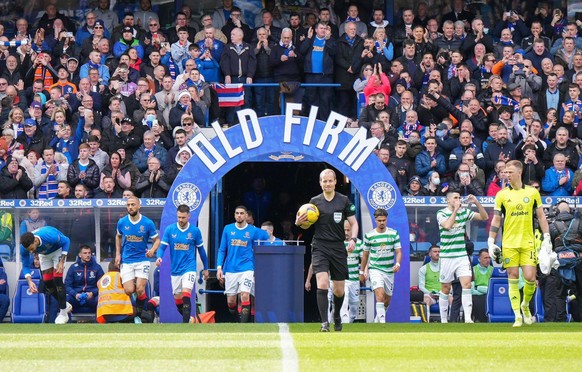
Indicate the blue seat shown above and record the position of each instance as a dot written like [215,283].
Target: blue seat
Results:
[539,305]
[421,247]
[480,245]
[498,304]
[5,252]
[28,307]
[499,272]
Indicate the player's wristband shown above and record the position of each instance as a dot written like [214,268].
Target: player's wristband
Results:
[397,264]
[361,272]
[547,236]
[218,267]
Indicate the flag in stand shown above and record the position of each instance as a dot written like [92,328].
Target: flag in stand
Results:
[230,95]
[506,101]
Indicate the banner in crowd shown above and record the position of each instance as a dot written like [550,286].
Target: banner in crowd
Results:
[256,138]
[230,95]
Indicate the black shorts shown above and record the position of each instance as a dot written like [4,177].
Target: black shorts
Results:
[332,257]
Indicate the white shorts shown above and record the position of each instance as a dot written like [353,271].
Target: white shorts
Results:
[352,291]
[452,268]
[134,270]
[235,283]
[49,261]
[184,281]
[382,280]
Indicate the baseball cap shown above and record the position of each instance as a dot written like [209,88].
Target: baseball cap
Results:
[513,87]
[128,29]
[35,104]
[65,55]
[100,22]
[73,59]
[128,120]
[401,82]
[442,126]
[30,123]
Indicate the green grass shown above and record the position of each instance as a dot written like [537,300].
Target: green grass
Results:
[255,347]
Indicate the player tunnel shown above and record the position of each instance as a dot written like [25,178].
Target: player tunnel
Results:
[272,165]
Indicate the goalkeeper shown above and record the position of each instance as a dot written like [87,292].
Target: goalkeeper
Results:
[517,203]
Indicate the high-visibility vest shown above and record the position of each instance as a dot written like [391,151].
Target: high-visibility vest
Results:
[112,298]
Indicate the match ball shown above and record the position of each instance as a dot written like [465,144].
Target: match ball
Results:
[312,214]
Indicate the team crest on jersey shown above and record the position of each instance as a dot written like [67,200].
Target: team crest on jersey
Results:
[526,200]
[189,236]
[141,229]
[247,235]
[189,194]
[337,217]
[382,195]
[91,274]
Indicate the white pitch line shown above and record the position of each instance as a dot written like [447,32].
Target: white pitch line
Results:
[290,360]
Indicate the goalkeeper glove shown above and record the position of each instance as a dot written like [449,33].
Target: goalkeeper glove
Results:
[547,243]
[494,251]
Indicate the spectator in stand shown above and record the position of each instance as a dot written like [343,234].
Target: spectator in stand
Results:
[49,173]
[477,36]
[81,281]
[378,83]
[84,170]
[563,145]
[108,189]
[404,165]
[148,150]
[184,154]
[4,293]
[235,21]
[499,180]
[558,178]
[414,187]
[14,181]
[221,15]
[464,184]
[386,139]
[429,160]
[64,191]
[318,52]
[435,186]
[349,48]
[273,32]
[501,149]
[404,31]
[119,172]
[466,146]
[512,21]
[153,182]
[264,97]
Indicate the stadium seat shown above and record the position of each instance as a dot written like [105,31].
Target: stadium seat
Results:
[421,247]
[499,272]
[5,252]
[434,313]
[498,304]
[28,307]
[539,305]
[480,245]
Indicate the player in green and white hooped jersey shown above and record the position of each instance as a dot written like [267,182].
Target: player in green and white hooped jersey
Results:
[453,256]
[382,247]
[355,276]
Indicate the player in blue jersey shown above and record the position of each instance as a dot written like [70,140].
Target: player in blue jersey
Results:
[132,253]
[52,247]
[183,239]
[235,263]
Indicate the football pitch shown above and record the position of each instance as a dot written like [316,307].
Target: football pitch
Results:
[268,347]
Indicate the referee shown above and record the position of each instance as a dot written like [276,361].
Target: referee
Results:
[328,251]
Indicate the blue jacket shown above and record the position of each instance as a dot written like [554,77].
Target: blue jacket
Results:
[306,50]
[423,161]
[551,182]
[121,47]
[140,159]
[456,157]
[83,277]
[103,72]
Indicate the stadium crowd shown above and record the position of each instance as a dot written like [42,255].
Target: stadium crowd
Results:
[110,105]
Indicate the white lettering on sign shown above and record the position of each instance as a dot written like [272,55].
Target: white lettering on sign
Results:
[198,144]
[290,120]
[358,149]
[332,131]
[224,141]
[243,116]
[353,155]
